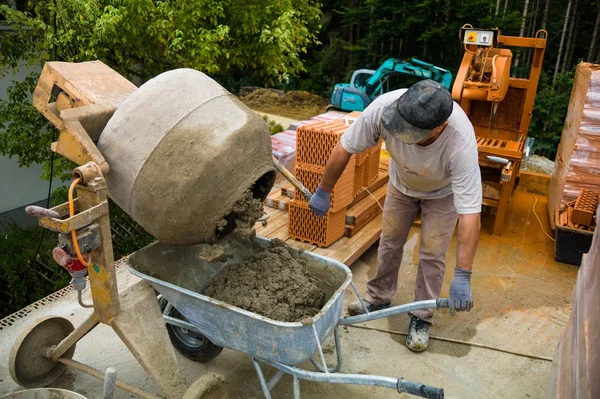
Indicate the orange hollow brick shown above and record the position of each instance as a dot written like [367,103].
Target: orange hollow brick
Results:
[305,226]
[372,165]
[315,141]
[585,207]
[342,193]
[359,175]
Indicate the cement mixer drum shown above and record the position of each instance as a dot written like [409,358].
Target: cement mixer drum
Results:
[182,150]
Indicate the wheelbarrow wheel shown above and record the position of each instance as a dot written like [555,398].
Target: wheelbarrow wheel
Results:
[190,344]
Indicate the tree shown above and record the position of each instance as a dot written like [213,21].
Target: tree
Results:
[562,40]
[594,37]
[142,38]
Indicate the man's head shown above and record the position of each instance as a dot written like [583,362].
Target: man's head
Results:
[420,113]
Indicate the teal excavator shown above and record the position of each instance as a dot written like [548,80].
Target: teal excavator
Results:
[368,84]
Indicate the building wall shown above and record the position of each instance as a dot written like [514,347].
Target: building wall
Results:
[19,187]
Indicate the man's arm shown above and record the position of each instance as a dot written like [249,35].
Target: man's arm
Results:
[335,167]
[461,298]
[468,236]
[319,203]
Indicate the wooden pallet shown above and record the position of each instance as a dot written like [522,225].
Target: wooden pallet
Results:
[500,148]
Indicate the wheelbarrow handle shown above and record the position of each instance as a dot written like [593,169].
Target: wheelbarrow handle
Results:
[395,310]
[418,389]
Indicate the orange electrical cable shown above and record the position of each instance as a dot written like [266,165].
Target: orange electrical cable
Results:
[73,234]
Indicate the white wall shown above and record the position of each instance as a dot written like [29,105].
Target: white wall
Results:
[19,186]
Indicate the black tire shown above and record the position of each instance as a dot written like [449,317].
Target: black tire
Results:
[190,344]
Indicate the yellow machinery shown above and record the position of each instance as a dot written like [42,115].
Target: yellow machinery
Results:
[498,105]
[79,99]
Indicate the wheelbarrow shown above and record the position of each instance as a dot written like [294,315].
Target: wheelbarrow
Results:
[200,326]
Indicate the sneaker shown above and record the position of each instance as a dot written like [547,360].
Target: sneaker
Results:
[356,308]
[418,335]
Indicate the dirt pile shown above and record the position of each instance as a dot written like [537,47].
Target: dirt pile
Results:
[274,283]
[538,164]
[292,104]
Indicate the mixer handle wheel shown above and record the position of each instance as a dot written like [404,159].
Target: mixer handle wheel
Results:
[30,363]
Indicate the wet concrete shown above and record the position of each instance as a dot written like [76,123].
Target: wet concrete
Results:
[522,301]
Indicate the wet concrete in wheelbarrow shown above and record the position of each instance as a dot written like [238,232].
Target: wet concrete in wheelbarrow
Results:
[274,283]
[522,301]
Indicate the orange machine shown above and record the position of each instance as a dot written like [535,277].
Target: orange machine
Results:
[498,105]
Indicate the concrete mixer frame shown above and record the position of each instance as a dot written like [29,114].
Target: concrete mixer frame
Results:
[79,99]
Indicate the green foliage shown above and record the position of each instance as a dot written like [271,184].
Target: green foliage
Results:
[146,37]
[549,112]
[274,127]
[23,279]
[140,39]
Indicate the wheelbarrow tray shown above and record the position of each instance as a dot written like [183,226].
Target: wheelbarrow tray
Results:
[180,275]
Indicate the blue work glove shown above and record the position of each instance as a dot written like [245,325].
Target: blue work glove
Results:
[319,203]
[461,298]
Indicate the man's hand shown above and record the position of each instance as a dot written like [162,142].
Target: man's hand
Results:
[461,298]
[319,203]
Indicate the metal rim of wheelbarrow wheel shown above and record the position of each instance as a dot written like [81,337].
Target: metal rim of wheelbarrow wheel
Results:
[189,343]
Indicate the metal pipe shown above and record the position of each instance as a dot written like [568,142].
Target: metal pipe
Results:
[399,384]
[181,323]
[110,379]
[275,379]
[98,374]
[71,339]
[395,310]
[261,378]
[338,350]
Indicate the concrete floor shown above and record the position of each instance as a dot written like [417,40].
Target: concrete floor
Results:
[522,301]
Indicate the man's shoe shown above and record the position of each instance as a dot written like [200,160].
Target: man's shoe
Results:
[418,335]
[356,308]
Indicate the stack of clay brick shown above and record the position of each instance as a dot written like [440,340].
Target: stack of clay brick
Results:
[314,143]
[578,157]
[580,213]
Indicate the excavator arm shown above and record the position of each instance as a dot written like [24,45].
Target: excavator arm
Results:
[414,67]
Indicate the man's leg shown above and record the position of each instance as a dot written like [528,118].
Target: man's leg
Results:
[438,223]
[399,213]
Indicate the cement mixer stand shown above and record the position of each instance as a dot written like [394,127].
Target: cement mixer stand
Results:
[45,350]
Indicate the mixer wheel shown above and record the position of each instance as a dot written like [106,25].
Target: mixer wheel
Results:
[190,344]
[29,363]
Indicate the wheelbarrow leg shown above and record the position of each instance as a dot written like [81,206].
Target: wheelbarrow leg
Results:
[338,351]
[296,388]
[261,378]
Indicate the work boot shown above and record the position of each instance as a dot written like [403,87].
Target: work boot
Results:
[418,335]
[355,308]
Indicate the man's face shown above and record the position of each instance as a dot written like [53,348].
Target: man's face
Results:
[435,133]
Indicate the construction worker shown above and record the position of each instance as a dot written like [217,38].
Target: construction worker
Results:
[433,169]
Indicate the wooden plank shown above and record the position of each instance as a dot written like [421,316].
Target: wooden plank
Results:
[365,207]
[348,250]
[490,202]
[273,224]
[282,233]
[382,180]
[301,245]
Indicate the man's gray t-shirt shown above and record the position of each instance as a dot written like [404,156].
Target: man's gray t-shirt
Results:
[447,166]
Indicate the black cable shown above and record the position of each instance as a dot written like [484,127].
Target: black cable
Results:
[49,198]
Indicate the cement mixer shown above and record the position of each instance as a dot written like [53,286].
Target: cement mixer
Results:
[177,153]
